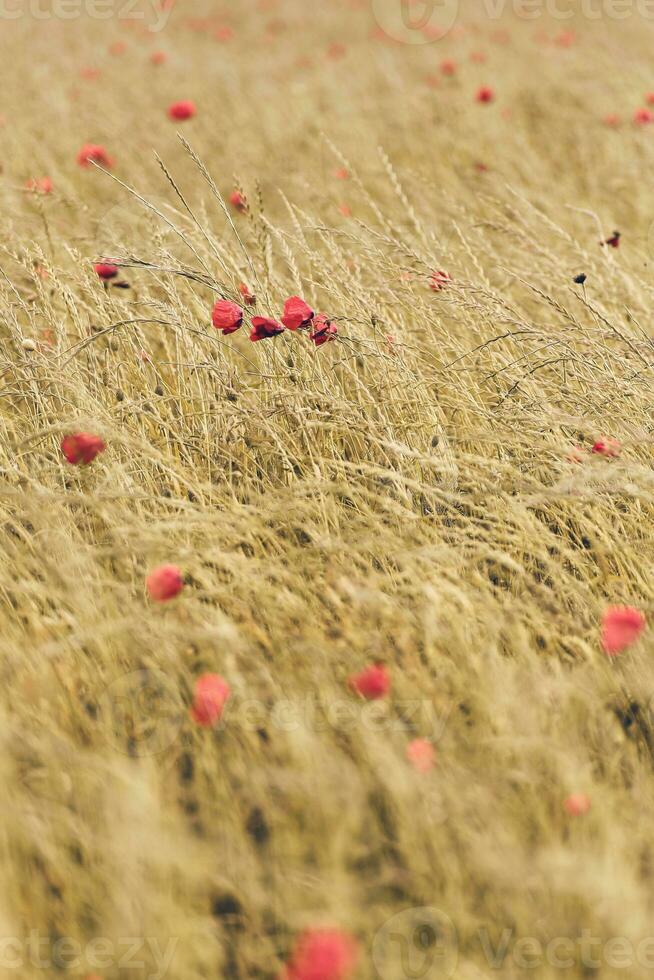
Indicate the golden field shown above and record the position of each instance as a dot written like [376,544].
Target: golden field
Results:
[420,493]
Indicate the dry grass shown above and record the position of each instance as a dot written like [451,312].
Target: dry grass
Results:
[409,501]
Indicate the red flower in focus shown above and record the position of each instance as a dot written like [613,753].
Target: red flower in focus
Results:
[621,627]
[41,185]
[297,313]
[372,683]
[106,271]
[420,753]
[448,67]
[164,583]
[577,804]
[439,280]
[81,448]
[211,695]
[226,316]
[643,116]
[323,330]
[607,447]
[248,297]
[238,201]
[485,94]
[182,110]
[264,327]
[94,153]
[322,954]
[158,57]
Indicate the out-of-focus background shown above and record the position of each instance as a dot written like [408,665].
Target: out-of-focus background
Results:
[421,492]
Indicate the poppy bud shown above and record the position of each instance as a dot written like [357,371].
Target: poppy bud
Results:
[106,270]
[94,153]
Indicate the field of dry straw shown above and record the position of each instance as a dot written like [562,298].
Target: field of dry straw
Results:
[421,493]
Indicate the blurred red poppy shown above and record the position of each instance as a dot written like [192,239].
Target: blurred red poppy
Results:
[211,695]
[621,628]
[485,94]
[94,153]
[322,954]
[164,583]
[182,110]
[41,185]
[106,271]
[81,448]
[238,201]
[372,683]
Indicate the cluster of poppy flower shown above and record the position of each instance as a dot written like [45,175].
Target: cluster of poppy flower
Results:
[228,317]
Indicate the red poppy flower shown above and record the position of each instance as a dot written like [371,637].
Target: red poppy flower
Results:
[94,153]
[106,271]
[81,448]
[439,280]
[577,804]
[565,39]
[164,583]
[211,695]
[420,753]
[322,954]
[238,201]
[226,316]
[448,67]
[643,116]
[182,110]
[248,297]
[372,683]
[323,330]
[613,241]
[158,57]
[345,210]
[41,185]
[621,627]
[264,327]
[341,173]
[485,94]
[607,447]
[297,313]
